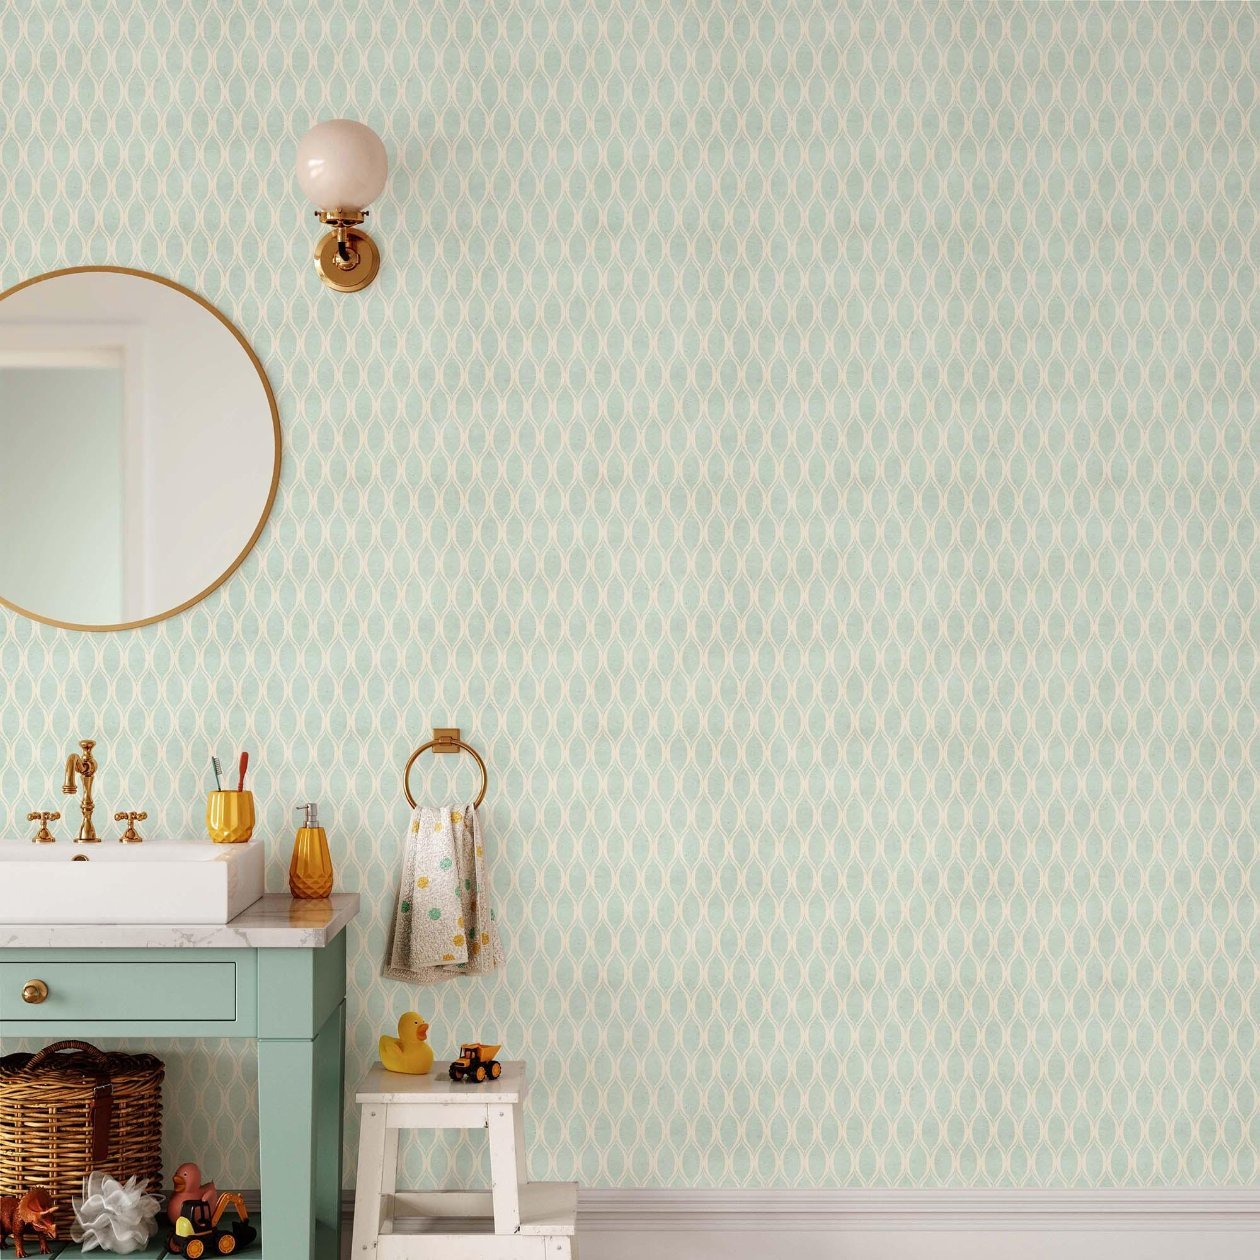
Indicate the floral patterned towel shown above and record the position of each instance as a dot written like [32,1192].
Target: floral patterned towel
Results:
[443,923]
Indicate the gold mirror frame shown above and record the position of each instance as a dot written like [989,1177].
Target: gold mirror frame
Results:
[275,469]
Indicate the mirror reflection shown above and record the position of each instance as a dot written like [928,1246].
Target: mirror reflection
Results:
[139,448]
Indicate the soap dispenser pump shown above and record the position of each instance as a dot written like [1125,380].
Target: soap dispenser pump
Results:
[310,869]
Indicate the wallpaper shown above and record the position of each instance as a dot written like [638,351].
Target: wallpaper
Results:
[811,452]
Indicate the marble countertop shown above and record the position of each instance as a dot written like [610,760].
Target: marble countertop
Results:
[274,921]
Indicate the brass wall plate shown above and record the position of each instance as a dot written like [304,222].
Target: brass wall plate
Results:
[352,279]
[446,739]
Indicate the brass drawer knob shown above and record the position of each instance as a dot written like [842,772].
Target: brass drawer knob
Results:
[34,992]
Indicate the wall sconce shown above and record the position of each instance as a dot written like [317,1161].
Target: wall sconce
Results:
[341,167]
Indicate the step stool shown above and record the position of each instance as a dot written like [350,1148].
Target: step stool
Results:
[532,1220]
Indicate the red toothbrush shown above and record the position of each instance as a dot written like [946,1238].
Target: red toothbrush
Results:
[240,783]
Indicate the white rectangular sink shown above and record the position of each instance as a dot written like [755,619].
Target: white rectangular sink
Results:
[162,881]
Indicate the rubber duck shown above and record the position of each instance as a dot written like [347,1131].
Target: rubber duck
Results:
[188,1185]
[408,1052]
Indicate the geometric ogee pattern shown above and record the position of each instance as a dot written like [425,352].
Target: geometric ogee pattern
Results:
[811,452]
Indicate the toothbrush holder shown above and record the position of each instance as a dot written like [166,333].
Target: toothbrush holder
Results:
[230,817]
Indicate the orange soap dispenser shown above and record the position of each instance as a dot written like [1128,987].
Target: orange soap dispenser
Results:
[310,869]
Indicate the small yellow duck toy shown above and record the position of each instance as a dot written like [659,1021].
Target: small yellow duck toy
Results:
[408,1052]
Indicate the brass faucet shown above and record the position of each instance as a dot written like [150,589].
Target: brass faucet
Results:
[85,767]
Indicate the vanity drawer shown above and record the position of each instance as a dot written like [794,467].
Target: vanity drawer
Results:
[120,992]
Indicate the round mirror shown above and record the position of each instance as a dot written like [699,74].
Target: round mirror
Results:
[139,448]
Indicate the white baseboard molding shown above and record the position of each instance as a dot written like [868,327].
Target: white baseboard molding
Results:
[918,1224]
[798,1210]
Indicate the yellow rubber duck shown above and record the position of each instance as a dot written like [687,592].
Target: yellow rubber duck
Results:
[408,1052]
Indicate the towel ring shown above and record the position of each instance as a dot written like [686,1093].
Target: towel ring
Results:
[446,740]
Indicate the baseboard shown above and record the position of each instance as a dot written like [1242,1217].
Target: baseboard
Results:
[918,1224]
[917,1209]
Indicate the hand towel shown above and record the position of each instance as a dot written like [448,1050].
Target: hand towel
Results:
[443,921]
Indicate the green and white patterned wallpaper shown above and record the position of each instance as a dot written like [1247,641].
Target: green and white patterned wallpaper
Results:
[811,450]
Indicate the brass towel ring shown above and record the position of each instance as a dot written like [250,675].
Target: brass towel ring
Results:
[445,740]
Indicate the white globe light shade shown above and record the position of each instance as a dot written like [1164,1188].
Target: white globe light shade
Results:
[341,165]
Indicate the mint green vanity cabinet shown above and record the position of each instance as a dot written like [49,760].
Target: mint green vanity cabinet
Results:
[275,974]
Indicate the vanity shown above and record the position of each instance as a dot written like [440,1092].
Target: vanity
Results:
[275,973]
[132,388]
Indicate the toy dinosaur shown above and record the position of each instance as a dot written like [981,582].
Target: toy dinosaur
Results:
[31,1212]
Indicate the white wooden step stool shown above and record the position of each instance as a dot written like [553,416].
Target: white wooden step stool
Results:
[532,1220]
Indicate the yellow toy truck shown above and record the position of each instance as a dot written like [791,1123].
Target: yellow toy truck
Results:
[197,1231]
[476,1063]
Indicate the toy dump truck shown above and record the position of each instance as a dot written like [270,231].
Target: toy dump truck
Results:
[476,1063]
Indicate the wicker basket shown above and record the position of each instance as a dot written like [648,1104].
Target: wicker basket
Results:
[71,1109]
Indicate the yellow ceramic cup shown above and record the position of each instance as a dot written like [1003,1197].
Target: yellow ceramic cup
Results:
[230,817]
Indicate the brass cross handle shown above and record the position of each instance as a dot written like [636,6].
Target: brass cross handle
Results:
[131,835]
[43,835]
